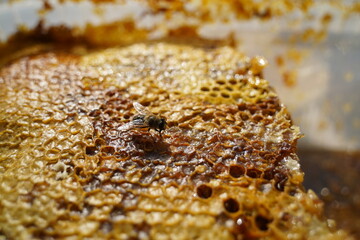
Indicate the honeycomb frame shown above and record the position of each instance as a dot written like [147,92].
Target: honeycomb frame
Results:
[225,168]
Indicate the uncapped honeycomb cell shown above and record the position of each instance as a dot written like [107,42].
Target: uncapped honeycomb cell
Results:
[225,167]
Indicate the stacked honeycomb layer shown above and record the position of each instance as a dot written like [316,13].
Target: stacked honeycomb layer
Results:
[225,168]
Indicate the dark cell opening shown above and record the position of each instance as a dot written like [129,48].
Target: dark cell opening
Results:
[242,106]
[253,173]
[216,89]
[95,113]
[232,81]
[231,205]
[229,89]
[204,191]
[268,174]
[262,222]
[108,149]
[244,116]
[100,142]
[225,95]
[257,118]
[91,150]
[204,89]
[236,171]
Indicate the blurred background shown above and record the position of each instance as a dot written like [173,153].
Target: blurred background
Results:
[313,50]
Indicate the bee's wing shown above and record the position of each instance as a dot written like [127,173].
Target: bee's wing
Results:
[126,126]
[141,109]
[136,123]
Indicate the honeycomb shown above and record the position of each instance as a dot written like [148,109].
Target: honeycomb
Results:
[225,167]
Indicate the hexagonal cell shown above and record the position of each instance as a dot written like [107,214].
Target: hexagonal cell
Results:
[204,191]
[231,205]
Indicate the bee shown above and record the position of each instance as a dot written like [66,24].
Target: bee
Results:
[145,119]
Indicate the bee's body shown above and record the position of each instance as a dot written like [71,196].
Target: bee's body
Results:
[145,119]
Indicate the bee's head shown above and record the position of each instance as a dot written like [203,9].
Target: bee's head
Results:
[162,124]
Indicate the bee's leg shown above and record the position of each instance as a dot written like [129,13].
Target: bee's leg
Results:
[159,131]
[149,131]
